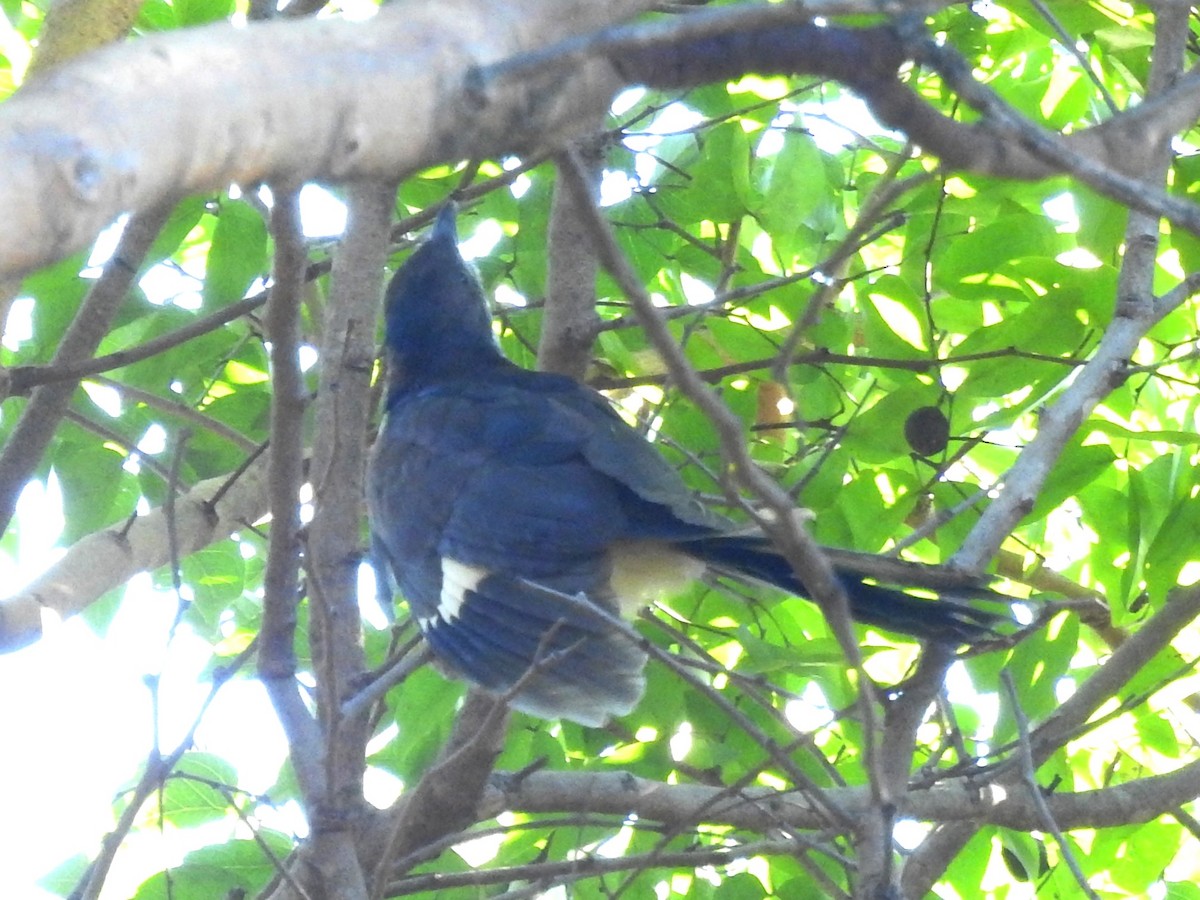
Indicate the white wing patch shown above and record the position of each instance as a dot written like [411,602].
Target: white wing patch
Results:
[457,579]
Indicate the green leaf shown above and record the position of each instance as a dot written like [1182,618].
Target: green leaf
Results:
[742,886]
[1156,733]
[238,255]
[1025,856]
[156,15]
[57,292]
[877,434]
[719,187]
[423,709]
[192,795]
[217,575]
[986,250]
[1172,549]
[65,877]
[1077,467]
[218,870]
[186,215]
[896,319]
[1137,854]
[96,489]
[201,12]
[1036,666]
[968,867]
[792,186]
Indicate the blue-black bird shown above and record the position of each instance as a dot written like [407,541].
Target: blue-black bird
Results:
[510,504]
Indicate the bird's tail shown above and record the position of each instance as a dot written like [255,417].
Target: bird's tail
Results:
[946,617]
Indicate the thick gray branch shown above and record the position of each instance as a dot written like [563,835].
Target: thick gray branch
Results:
[138,124]
[169,115]
[761,809]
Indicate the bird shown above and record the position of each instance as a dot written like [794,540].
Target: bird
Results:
[518,513]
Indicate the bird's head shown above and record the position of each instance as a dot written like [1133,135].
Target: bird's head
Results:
[437,319]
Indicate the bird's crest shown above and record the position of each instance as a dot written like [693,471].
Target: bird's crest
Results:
[438,322]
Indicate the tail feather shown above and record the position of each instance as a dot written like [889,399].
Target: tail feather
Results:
[945,618]
[509,634]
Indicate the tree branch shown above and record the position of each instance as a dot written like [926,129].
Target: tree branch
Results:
[343,408]
[131,126]
[107,559]
[570,324]
[957,803]
[281,578]
[461,79]
[34,430]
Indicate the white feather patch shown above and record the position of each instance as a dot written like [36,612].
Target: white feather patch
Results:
[457,579]
[644,571]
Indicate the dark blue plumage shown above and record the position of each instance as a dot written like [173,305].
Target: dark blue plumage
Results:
[510,504]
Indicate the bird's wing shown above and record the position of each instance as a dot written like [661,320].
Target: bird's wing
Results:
[498,505]
[656,501]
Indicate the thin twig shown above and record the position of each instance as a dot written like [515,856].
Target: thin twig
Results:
[35,428]
[784,525]
[281,582]
[158,767]
[1029,778]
